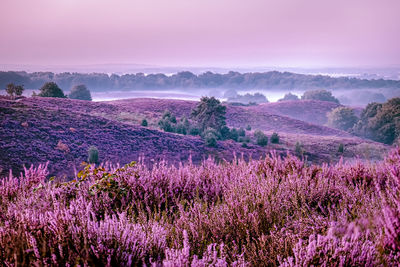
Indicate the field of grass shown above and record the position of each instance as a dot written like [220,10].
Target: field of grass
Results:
[271,212]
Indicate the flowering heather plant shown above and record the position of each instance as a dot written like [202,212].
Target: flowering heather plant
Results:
[276,211]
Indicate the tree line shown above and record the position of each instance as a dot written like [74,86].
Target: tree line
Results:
[186,79]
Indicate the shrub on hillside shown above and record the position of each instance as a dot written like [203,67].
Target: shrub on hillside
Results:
[274,138]
[341,148]
[210,137]
[289,97]
[261,138]
[342,118]
[14,90]
[51,89]
[248,128]
[93,155]
[380,122]
[80,92]
[234,134]
[167,122]
[321,95]
[241,132]
[144,123]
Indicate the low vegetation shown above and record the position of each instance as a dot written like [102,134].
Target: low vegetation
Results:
[321,95]
[380,122]
[342,118]
[269,212]
[80,92]
[51,89]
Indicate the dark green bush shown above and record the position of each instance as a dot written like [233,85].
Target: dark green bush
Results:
[233,134]
[341,148]
[261,138]
[274,138]
[225,131]
[144,123]
[342,118]
[80,92]
[248,128]
[51,89]
[241,132]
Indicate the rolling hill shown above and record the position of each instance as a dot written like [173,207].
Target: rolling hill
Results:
[36,130]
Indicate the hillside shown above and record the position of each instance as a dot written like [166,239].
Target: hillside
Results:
[37,130]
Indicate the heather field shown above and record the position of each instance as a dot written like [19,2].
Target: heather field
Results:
[272,212]
[37,130]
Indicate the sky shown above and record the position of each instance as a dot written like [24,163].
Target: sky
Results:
[223,33]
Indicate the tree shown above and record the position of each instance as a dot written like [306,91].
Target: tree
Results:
[342,118]
[209,113]
[274,138]
[19,89]
[14,90]
[51,89]
[289,97]
[167,122]
[144,123]
[261,138]
[321,95]
[93,155]
[380,122]
[80,92]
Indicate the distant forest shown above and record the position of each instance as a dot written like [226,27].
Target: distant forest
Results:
[185,79]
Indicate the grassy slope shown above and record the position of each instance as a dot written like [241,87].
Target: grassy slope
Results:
[113,128]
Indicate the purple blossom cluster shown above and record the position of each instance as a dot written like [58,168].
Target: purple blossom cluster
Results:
[276,211]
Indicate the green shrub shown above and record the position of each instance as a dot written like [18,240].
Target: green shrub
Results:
[233,134]
[194,130]
[225,132]
[244,139]
[341,148]
[80,92]
[274,138]
[144,123]
[342,118]
[210,136]
[248,128]
[262,139]
[51,89]
[241,132]
[93,155]
[321,95]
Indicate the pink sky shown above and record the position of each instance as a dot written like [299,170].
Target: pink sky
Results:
[297,33]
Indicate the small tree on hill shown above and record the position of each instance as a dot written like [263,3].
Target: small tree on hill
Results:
[14,90]
[209,113]
[144,123]
[261,138]
[289,97]
[321,95]
[51,89]
[274,138]
[342,118]
[93,155]
[80,92]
